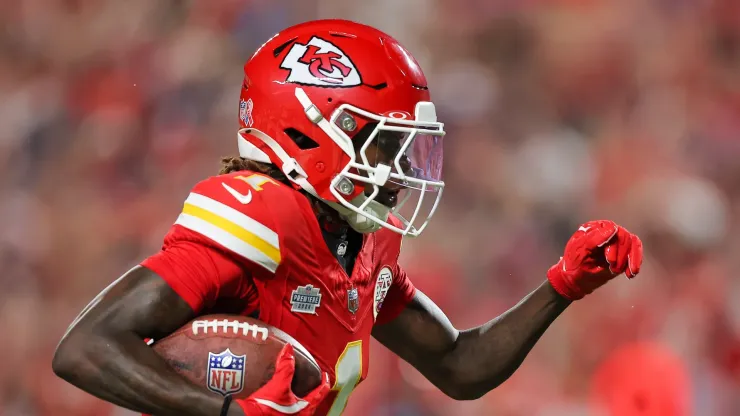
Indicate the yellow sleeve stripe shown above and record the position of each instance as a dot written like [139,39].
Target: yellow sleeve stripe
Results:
[232,229]
[235,230]
[235,216]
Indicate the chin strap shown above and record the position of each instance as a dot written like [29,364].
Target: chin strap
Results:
[290,167]
[356,220]
[317,118]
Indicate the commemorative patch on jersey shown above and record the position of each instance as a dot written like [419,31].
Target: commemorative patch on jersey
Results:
[305,299]
[382,285]
[225,372]
[320,63]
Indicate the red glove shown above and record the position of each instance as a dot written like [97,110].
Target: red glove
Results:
[595,254]
[276,398]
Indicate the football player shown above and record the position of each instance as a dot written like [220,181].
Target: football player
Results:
[303,230]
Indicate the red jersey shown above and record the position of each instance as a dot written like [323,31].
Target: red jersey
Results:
[245,243]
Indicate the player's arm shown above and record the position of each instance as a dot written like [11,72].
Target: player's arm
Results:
[205,256]
[467,364]
[221,241]
[104,354]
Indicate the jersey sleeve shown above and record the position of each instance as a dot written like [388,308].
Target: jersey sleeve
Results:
[200,274]
[400,294]
[231,211]
[222,239]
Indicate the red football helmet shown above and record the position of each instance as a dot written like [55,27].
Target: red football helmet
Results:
[317,95]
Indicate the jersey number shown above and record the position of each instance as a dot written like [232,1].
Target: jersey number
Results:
[347,373]
[256,181]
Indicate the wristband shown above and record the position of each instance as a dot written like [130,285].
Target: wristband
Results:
[225,407]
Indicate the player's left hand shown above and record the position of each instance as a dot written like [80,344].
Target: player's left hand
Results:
[595,254]
[276,398]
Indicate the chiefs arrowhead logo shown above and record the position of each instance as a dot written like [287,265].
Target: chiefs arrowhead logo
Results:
[382,285]
[320,63]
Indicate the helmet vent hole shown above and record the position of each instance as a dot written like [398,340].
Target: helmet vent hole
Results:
[377,86]
[301,140]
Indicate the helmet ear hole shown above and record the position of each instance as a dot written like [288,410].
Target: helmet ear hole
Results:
[301,140]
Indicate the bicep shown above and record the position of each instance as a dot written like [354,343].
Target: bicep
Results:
[421,334]
[198,271]
[139,302]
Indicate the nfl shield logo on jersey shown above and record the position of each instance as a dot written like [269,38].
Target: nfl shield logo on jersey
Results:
[353,300]
[226,372]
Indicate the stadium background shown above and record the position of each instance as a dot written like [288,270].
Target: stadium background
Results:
[557,111]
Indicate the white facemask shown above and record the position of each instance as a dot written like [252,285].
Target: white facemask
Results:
[422,145]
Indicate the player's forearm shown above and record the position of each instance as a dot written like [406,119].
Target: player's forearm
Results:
[486,356]
[123,370]
[104,353]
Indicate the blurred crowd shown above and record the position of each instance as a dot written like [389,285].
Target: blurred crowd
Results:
[557,112]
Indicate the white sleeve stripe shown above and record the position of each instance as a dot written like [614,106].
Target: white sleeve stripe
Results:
[238,218]
[227,240]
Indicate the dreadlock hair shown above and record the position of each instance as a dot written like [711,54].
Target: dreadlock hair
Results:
[235,164]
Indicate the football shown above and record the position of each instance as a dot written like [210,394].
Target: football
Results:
[235,355]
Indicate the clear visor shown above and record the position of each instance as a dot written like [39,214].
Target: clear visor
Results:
[412,154]
[399,162]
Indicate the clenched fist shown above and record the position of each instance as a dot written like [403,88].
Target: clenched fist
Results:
[598,252]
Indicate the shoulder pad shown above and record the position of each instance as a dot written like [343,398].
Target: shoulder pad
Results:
[232,211]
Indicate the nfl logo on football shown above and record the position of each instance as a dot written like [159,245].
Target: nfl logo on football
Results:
[226,372]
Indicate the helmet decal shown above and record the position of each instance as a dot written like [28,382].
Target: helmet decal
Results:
[245,112]
[320,63]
